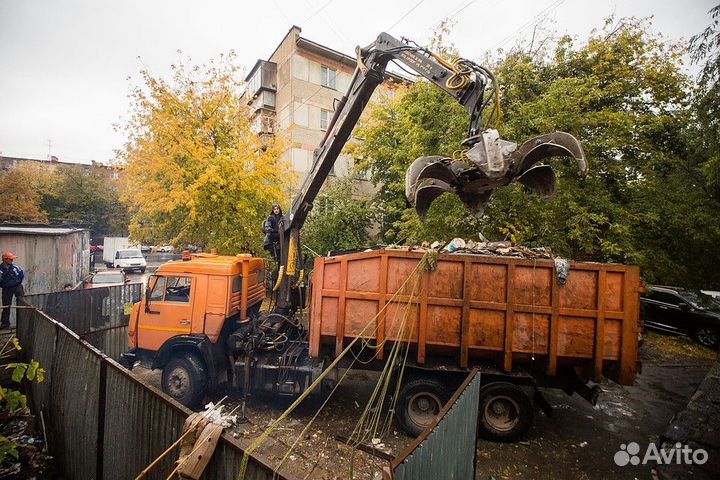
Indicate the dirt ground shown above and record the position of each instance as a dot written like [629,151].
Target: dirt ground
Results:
[578,442]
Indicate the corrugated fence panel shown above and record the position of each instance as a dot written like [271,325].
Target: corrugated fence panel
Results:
[112,341]
[448,452]
[37,334]
[75,395]
[91,309]
[139,425]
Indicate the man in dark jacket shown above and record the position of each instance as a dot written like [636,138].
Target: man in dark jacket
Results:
[11,277]
[271,229]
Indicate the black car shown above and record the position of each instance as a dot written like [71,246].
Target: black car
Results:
[675,310]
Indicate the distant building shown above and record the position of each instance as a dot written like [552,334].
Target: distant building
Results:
[295,91]
[8,163]
[50,256]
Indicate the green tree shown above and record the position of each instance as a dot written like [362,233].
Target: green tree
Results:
[623,95]
[194,170]
[86,196]
[338,221]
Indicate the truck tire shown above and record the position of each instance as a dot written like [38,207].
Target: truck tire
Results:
[419,403]
[142,270]
[184,378]
[506,412]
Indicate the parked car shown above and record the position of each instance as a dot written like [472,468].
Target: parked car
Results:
[166,249]
[106,278]
[145,249]
[679,311]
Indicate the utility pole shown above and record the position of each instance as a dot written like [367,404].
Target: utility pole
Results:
[49,150]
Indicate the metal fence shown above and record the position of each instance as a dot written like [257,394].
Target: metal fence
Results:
[103,423]
[98,315]
[446,450]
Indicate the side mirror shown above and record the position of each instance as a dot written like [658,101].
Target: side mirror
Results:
[147,299]
[684,306]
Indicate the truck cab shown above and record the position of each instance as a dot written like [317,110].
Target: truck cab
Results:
[189,309]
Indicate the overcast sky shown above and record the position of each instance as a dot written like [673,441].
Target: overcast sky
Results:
[64,64]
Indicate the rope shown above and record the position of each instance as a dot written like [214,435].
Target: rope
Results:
[321,377]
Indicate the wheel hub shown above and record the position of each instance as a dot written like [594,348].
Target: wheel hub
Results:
[423,407]
[502,413]
[178,383]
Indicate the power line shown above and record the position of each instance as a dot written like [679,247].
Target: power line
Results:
[318,10]
[457,12]
[544,12]
[405,15]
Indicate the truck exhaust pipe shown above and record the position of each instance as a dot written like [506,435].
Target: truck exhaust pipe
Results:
[488,164]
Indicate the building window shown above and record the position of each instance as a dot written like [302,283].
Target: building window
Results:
[324,119]
[269,99]
[327,76]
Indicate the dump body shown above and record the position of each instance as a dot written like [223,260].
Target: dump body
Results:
[476,307]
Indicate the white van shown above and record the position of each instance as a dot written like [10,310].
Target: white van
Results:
[129,259]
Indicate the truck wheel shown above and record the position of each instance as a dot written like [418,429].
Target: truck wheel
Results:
[185,379]
[142,270]
[419,403]
[506,412]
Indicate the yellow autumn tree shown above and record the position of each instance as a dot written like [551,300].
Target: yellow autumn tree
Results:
[21,197]
[194,172]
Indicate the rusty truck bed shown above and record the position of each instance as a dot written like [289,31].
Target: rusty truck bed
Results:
[484,307]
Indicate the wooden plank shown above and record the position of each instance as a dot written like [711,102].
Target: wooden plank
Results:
[316,308]
[631,307]
[422,318]
[340,321]
[193,465]
[600,325]
[554,319]
[381,306]
[509,291]
[465,321]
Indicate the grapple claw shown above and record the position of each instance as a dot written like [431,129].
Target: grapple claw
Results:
[491,163]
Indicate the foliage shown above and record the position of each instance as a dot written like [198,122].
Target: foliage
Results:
[10,399]
[21,200]
[338,221]
[194,170]
[622,94]
[81,195]
[703,132]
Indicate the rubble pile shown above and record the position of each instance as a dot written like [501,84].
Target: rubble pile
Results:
[465,247]
[33,460]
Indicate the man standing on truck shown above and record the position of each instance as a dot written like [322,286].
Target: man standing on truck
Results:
[11,277]
[271,229]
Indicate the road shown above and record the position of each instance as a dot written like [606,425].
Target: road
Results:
[154,260]
[579,441]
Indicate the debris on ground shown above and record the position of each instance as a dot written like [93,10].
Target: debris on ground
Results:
[32,460]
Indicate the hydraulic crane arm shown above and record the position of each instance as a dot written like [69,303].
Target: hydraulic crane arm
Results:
[462,79]
[489,163]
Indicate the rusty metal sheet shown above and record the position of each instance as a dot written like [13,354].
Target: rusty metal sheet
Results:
[75,400]
[452,439]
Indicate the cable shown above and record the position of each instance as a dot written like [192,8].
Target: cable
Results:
[405,15]
[527,24]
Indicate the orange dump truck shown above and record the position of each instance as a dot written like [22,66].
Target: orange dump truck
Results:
[513,318]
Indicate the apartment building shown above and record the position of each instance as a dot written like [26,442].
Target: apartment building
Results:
[294,91]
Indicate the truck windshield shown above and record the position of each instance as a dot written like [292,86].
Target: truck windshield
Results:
[130,254]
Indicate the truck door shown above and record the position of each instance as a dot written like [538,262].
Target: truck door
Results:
[167,312]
